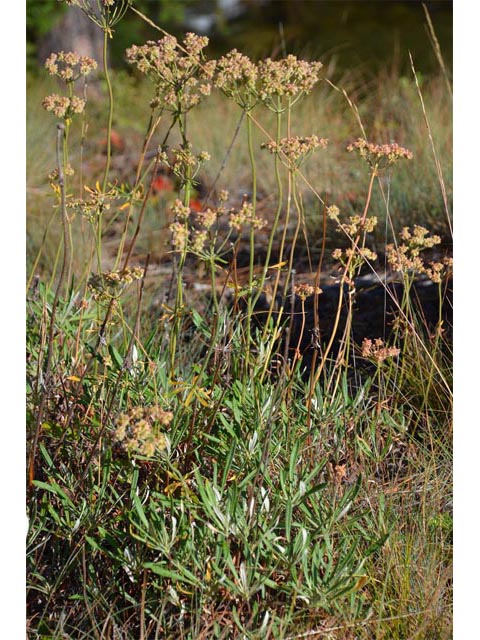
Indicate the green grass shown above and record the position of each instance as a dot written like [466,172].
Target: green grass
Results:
[185,479]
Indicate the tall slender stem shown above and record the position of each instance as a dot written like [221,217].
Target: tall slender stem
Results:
[61,154]
[109,146]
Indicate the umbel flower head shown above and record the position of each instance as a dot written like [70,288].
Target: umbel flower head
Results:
[406,258]
[377,350]
[378,156]
[110,284]
[62,106]
[104,13]
[304,291]
[69,66]
[269,82]
[138,431]
[236,76]
[295,149]
[179,72]
[288,77]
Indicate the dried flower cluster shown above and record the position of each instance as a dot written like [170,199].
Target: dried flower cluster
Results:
[304,291]
[295,149]
[62,106]
[406,257]
[138,431]
[377,350]
[191,237]
[356,224]
[98,201]
[268,82]
[288,77]
[110,284]
[179,73]
[184,163]
[245,215]
[354,256]
[379,155]
[69,66]
[236,76]
[438,271]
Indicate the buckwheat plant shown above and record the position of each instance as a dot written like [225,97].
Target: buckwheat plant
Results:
[70,68]
[281,85]
[236,76]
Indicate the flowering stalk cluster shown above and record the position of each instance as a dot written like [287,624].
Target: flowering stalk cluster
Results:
[179,73]
[354,256]
[190,229]
[357,224]
[137,431]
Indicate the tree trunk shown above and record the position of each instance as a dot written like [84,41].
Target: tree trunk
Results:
[74,32]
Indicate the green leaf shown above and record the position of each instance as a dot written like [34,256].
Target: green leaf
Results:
[116,357]
[186,576]
[139,509]
[55,489]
